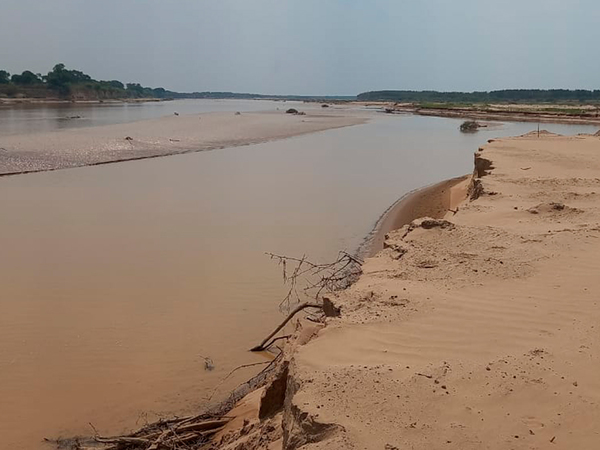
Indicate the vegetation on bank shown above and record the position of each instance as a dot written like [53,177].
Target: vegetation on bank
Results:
[485,97]
[63,83]
[68,84]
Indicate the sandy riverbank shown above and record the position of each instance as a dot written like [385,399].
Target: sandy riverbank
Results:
[513,116]
[477,331]
[583,114]
[156,137]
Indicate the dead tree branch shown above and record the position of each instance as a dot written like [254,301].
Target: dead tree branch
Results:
[262,346]
[308,280]
[315,279]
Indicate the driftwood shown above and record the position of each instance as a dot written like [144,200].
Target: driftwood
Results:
[203,426]
[166,434]
[263,345]
[123,440]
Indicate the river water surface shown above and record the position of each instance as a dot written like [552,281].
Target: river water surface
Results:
[36,118]
[116,280]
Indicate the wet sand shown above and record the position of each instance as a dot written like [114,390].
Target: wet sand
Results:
[480,330]
[157,137]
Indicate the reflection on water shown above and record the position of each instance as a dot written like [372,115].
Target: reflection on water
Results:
[116,279]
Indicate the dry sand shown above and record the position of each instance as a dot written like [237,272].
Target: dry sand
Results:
[481,330]
[156,137]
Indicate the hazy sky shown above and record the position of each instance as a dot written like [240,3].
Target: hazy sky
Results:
[337,47]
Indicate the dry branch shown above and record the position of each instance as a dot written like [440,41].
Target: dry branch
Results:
[203,426]
[316,278]
[262,346]
[122,440]
[167,435]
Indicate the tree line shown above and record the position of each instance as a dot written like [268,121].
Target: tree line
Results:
[67,82]
[500,96]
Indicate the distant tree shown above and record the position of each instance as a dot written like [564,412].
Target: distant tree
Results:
[58,79]
[61,78]
[4,77]
[159,92]
[135,90]
[507,95]
[67,81]
[116,84]
[26,78]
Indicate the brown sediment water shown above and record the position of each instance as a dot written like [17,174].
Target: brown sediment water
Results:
[117,280]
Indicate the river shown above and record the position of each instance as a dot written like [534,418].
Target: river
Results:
[117,280]
[24,118]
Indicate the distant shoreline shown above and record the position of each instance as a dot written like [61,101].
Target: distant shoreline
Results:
[580,114]
[6,101]
[576,114]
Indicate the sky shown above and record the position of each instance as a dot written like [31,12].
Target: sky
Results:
[309,47]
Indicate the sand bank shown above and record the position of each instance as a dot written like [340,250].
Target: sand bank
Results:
[511,116]
[156,137]
[476,331]
[537,113]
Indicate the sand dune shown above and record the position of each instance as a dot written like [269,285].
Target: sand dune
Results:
[481,331]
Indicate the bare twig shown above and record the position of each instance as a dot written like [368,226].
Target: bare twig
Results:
[94,429]
[316,278]
[270,344]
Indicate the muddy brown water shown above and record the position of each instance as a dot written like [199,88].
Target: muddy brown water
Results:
[116,280]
